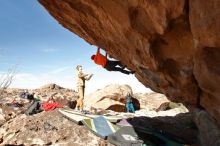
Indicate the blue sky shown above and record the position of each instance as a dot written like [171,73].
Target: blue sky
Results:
[45,52]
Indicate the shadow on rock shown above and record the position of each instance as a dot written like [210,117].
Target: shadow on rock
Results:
[180,128]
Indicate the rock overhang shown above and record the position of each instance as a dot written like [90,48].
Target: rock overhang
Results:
[172,45]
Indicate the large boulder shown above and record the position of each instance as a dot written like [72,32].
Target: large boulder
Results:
[150,101]
[51,86]
[110,97]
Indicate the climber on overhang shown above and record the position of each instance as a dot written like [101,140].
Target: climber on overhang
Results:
[110,65]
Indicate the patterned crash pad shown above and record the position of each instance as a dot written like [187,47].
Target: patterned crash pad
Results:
[100,126]
[77,118]
[111,118]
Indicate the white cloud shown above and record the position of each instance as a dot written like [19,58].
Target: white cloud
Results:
[59,70]
[66,78]
[26,80]
[103,78]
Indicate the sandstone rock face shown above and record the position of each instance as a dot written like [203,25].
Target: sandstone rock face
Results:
[208,132]
[111,97]
[180,125]
[172,45]
[151,101]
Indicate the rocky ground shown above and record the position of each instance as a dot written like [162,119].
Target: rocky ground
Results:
[50,128]
[46,128]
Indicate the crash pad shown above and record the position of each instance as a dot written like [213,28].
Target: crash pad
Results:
[76,118]
[100,126]
[111,118]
